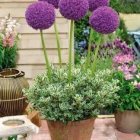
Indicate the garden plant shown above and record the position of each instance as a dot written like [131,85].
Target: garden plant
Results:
[71,97]
[9,38]
[127,107]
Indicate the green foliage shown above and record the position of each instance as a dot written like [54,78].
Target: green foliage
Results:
[128,93]
[126,6]
[82,98]
[8,57]
[138,132]
[79,27]
[104,63]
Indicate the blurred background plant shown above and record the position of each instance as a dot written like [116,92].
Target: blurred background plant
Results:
[9,38]
[126,6]
[128,73]
[82,29]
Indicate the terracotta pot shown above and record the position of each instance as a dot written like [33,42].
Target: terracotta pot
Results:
[79,130]
[12,101]
[128,121]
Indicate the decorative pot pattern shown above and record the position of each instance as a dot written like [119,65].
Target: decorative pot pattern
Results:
[78,130]
[128,121]
[12,101]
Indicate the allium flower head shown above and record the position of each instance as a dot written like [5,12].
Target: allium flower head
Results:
[53,2]
[40,15]
[104,20]
[73,9]
[94,4]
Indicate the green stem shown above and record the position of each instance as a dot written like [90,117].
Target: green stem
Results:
[89,49]
[58,44]
[45,55]
[96,57]
[70,49]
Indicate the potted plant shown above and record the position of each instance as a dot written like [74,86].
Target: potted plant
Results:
[127,107]
[12,81]
[71,97]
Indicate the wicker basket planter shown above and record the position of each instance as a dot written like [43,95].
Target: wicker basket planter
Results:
[12,101]
[128,121]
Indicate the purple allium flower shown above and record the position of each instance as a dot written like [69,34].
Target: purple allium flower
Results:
[73,9]
[53,2]
[40,15]
[94,4]
[104,20]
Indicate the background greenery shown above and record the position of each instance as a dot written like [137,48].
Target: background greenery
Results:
[126,6]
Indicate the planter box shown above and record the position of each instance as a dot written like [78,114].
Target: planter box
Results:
[132,21]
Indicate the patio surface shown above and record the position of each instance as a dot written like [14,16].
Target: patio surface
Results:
[104,130]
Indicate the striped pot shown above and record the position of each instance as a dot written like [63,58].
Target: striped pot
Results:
[12,101]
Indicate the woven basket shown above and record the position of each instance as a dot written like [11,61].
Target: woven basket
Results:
[12,101]
[13,107]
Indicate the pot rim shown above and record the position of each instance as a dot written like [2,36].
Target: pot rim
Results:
[69,122]
[117,111]
[12,100]
[16,73]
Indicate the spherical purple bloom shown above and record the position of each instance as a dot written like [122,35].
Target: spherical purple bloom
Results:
[53,2]
[104,20]
[94,4]
[40,15]
[73,9]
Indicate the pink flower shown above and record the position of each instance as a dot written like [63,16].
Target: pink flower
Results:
[123,58]
[133,69]
[127,69]
[137,85]
[128,76]
[8,41]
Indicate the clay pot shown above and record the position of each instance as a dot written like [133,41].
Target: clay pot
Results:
[79,130]
[128,121]
[12,101]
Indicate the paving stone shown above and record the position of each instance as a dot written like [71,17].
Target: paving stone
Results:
[125,136]
[104,129]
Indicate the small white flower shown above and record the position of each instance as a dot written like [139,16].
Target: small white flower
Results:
[19,36]
[135,83]
[138,76]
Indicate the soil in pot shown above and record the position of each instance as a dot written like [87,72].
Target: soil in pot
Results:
[128,121]
[79,130]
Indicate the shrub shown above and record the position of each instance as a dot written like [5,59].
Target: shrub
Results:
[81,99]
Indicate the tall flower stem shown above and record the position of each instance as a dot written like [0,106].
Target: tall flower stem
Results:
[58,44]
[70,49]
[89,49]
[96,55]
[45,55]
